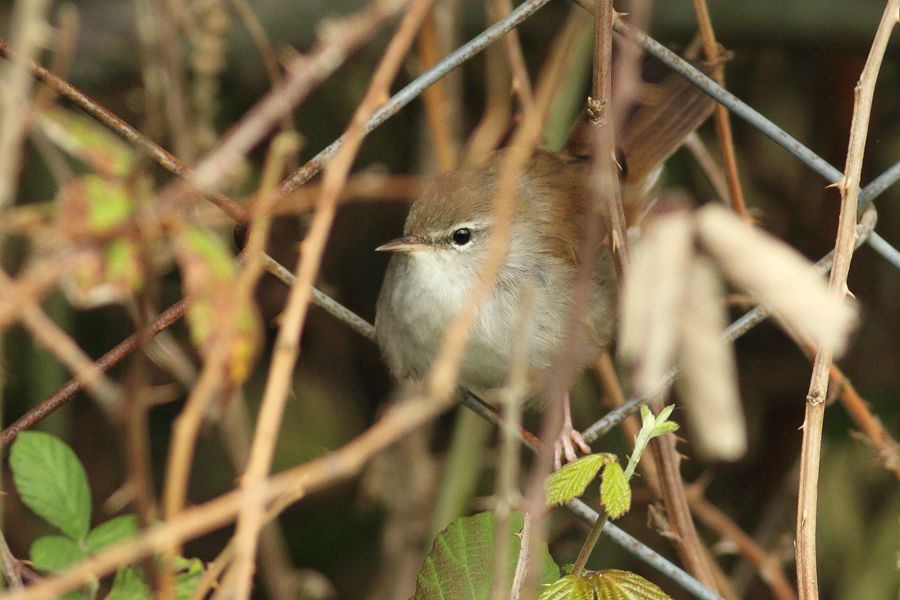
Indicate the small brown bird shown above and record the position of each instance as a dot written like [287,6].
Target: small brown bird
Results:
[444,243]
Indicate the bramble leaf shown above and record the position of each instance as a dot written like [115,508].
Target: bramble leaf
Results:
[612,584]
[51,482]
[570,481]
[117,529]
[128,584]
[461,562]
[614,490]
[54,553]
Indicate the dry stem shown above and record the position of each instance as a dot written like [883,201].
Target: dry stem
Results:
[769,567]
[807,577]
[287,345]
[723,123]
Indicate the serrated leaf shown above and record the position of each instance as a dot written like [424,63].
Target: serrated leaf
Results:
[609,584]
[51,482]
[54,553]
[129,584]
[615,491]
[570,481]
[118,529]
[461,562]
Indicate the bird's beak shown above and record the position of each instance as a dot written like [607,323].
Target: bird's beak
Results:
[407,243]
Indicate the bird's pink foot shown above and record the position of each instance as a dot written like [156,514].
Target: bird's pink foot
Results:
[568,439]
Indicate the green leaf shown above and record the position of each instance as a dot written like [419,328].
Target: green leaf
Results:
[85,139]
[52,482]
[109,203]
[54,553]
[189,573]
[129,584]
[651,427]
[572,479]
[123,265]
[117,529]
[611,584]
[615,491]
[461,562]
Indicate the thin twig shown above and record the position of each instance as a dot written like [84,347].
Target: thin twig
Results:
[261,216]
[708,165]
[807,578]
[64,348]
[435,99]
[264,47]
[294,316]
[722,120]
[29,30]
[769,567]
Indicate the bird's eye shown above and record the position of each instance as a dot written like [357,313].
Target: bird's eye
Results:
[461,236]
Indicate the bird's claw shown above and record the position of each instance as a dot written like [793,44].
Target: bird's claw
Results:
[565,445]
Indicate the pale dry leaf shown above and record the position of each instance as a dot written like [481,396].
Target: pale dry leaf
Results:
[652,298]
[708,383]
[778,276]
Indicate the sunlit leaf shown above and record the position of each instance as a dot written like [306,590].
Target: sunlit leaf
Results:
[651,427]
[461,562]
[51,482]
[570,481]
[54,553]
[610,584]
[614,490]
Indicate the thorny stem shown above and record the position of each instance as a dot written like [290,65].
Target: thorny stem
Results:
[807,577]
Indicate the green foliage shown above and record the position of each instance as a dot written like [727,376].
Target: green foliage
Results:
[109,203]
[461,562]
[609,584]
[571,481]
[128,584]
[54,553]
[614,490]
[118,529]
[85,139]
[651,427]
[51,482]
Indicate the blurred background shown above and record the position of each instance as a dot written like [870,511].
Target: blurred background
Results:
[795,61]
